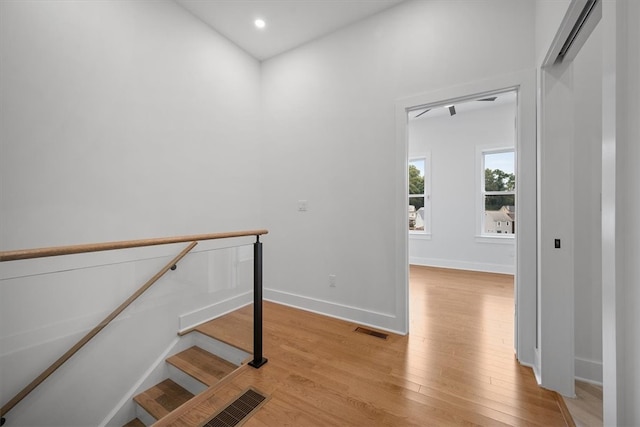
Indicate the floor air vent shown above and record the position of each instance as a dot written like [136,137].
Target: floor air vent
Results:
[238,411]
[371,332]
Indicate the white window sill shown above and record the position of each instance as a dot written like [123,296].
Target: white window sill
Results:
[419,235]
[497,240]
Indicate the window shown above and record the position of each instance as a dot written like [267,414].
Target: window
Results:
[419,197]
[498,192]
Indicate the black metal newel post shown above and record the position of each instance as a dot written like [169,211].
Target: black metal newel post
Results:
[258,359]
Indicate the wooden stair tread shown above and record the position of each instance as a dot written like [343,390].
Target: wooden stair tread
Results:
[202,365]
[134,423]
[162,398]
[235,328]
[214,398]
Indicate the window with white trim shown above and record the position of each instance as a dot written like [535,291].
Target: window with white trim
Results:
[498,192]
[419,195]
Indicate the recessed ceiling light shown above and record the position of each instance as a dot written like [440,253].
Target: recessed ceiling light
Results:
[259,23]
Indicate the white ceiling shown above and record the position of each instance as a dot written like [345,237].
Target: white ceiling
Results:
[290,23]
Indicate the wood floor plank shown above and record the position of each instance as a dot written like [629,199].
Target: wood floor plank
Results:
[162,398]
[456,367]
[586,408]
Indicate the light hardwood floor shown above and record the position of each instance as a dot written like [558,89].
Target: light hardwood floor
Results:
[456,367]
[586,408]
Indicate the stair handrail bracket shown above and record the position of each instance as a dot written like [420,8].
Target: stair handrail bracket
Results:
[23,254]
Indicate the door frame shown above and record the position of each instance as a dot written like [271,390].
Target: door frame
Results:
[525,303]
[555,354]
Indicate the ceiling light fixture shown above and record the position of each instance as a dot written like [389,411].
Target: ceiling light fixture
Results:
[259,23]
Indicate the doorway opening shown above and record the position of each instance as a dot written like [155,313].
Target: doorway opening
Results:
[462,184]
[455,221]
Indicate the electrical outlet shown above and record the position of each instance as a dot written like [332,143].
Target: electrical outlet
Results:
[332,280]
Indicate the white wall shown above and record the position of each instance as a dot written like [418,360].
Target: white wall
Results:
[620,129]
[570,144]
[330,127]
[621,202]
[627,207]
[119,120]
[555,360]
[587,221]
[548,17]
[453,142]
[122,120]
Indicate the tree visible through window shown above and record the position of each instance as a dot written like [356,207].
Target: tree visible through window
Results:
[499,192]
[417,196]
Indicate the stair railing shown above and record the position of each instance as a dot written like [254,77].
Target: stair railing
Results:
[258,359]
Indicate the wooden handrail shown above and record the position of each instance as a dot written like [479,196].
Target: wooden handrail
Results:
[125,244]
[73,350]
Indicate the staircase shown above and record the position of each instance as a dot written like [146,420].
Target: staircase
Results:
[191,371]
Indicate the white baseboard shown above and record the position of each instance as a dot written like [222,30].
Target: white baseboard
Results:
[463,265]
[536,366]
[589,371]
[382,321]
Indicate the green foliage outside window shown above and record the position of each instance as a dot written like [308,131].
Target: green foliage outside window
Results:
[498,180]
[416,186]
